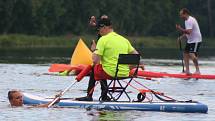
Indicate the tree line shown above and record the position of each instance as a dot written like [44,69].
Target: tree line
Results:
[130,17]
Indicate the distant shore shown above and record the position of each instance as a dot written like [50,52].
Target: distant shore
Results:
[32,41]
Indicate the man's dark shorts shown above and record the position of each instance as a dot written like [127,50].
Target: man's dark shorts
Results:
[192,47]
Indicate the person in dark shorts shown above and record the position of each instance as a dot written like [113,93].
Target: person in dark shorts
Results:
[194,38]
[192,48]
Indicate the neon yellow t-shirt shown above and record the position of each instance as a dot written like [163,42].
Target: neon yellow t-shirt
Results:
[109,47]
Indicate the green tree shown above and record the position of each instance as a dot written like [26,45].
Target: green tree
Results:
[6,15]
[47,16]
[130,17]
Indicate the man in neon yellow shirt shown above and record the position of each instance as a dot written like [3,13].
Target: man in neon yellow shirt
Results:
[105,57]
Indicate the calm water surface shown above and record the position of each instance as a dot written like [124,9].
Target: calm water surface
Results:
[63,55]
[30,78]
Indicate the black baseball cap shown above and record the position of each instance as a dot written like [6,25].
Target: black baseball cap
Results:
[104,22]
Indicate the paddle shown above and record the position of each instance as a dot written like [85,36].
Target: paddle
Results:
[80,76]
[60,95]
[181,53]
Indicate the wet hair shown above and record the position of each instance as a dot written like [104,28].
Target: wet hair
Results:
[185,11]
[10,93]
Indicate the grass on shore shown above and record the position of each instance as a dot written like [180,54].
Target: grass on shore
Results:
[20,40]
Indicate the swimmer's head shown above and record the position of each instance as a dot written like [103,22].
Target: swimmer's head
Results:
[15,98]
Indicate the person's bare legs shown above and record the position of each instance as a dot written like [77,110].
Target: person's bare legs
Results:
[186,62]
[195,62]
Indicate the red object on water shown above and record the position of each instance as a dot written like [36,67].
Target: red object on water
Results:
[61,67]
[84,73]
[170,75]
[141,73]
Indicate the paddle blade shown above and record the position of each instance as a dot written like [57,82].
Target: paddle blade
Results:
[81,54]
[61,67]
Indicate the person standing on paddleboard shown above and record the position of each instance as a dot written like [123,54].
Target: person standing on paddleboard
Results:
[105,56]
[194,38]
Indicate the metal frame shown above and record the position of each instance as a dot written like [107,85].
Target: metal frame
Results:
[128,59]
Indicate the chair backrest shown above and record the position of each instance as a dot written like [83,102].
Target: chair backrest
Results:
[132,59]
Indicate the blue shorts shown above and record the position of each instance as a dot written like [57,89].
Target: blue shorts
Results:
[192,47]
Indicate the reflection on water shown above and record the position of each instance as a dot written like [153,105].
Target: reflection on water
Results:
[63,55]
[107,115]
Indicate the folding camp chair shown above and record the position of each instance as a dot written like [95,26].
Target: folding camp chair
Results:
[115,87]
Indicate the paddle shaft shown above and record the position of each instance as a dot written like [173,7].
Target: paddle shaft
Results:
[61,94]
[181,53]
[147,78]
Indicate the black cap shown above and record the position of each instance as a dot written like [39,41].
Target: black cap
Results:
[104,22]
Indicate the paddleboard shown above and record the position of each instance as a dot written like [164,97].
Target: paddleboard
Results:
[184,107]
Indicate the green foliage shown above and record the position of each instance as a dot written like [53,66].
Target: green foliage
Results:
[19,40]
[130,17]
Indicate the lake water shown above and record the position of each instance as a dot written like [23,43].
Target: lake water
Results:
[28,74]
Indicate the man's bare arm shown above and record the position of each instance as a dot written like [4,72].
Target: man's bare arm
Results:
[96,58]
[141,63]
[134,52]
[185,31]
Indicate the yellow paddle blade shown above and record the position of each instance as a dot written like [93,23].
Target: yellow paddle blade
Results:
[81,54]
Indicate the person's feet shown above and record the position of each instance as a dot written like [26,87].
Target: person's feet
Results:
[197,73]
[187,72]
[87,98]
[106,98]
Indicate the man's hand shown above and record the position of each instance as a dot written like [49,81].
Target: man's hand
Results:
[142,67]
[178,27]
[184,31]
[92,21]
[47,104]
[93,46]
